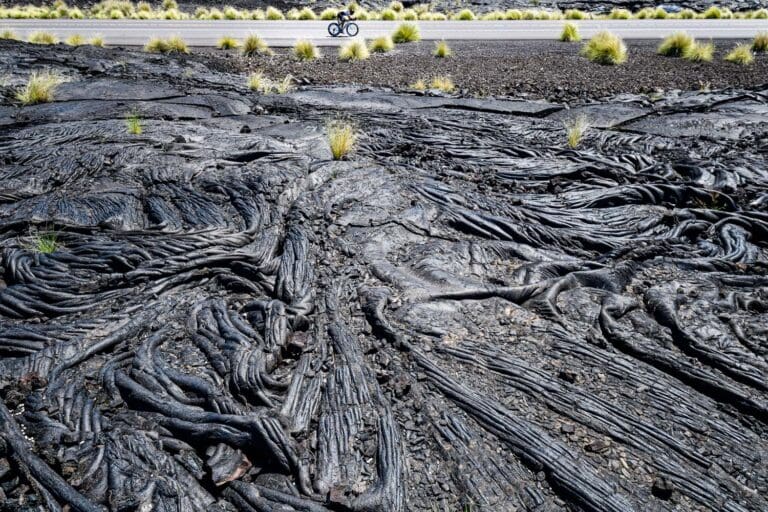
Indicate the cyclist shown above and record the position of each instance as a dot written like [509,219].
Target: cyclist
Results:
[344,16]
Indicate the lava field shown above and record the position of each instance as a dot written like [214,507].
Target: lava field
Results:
[464,315]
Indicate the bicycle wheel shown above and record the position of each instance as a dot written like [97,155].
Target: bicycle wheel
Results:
[334,29]
[352,29]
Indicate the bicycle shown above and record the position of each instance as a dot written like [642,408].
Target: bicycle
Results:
[337,28]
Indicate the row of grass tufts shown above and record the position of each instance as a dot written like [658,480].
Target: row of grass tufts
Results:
[169,10]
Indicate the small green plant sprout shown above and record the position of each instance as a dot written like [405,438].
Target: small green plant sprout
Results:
[227,43]
[40,87]
[700,52]
[133,122]
[97,41]
[342,136]
[570,33]
[442,83]
[760,43]
[44,243]
[676,45]
[741,54]
[575,129]
[42,38]
[605,48]
[9,34]
[305,50]
[254,44]
[406,33]
[353,50]
[75,40]
[419,85]
[382,44]
[442,50]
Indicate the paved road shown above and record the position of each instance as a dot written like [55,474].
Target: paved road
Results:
[284,33]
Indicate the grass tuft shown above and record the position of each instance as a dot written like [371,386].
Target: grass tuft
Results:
[42,38]
[406,33]
[570,33]
[575,130]
[713,13]
[442,83]
[273,14]
[9,34]
[45,243]
[97,41]
[156,45]
[75,40]
[442,50]
[465,15]
[382,44]
[605,48]
[305,50]
[342,136]
[133,123]
[741,54]
[254,44]
[177,45]
[39,88]
[676,45]
[227,43]
[700,52]
[353,50]
[419,85]
[760,43]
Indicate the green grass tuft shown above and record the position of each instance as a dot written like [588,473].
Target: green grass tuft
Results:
[741,54]
[700,52]
[97,41]
[406,33]
[133,123]
[442,50]
[39,87]
[342,136]
[75,40]
[382,44]
[227,43]
[305,50]
[605,48]
[570,33]
[713,13]
[254,44]
[442,83]
[273,13]
[45,243]
[676,45]
[465,15]
[9,34]
[42,38]
[575,130]
[760,43]
[353,50]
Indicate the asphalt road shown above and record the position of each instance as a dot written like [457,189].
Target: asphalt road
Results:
[284,33]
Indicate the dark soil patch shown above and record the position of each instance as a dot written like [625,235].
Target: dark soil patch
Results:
[546,69]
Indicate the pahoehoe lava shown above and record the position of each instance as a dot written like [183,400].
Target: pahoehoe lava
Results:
[463,313]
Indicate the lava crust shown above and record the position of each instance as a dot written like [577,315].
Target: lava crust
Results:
[463,315]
